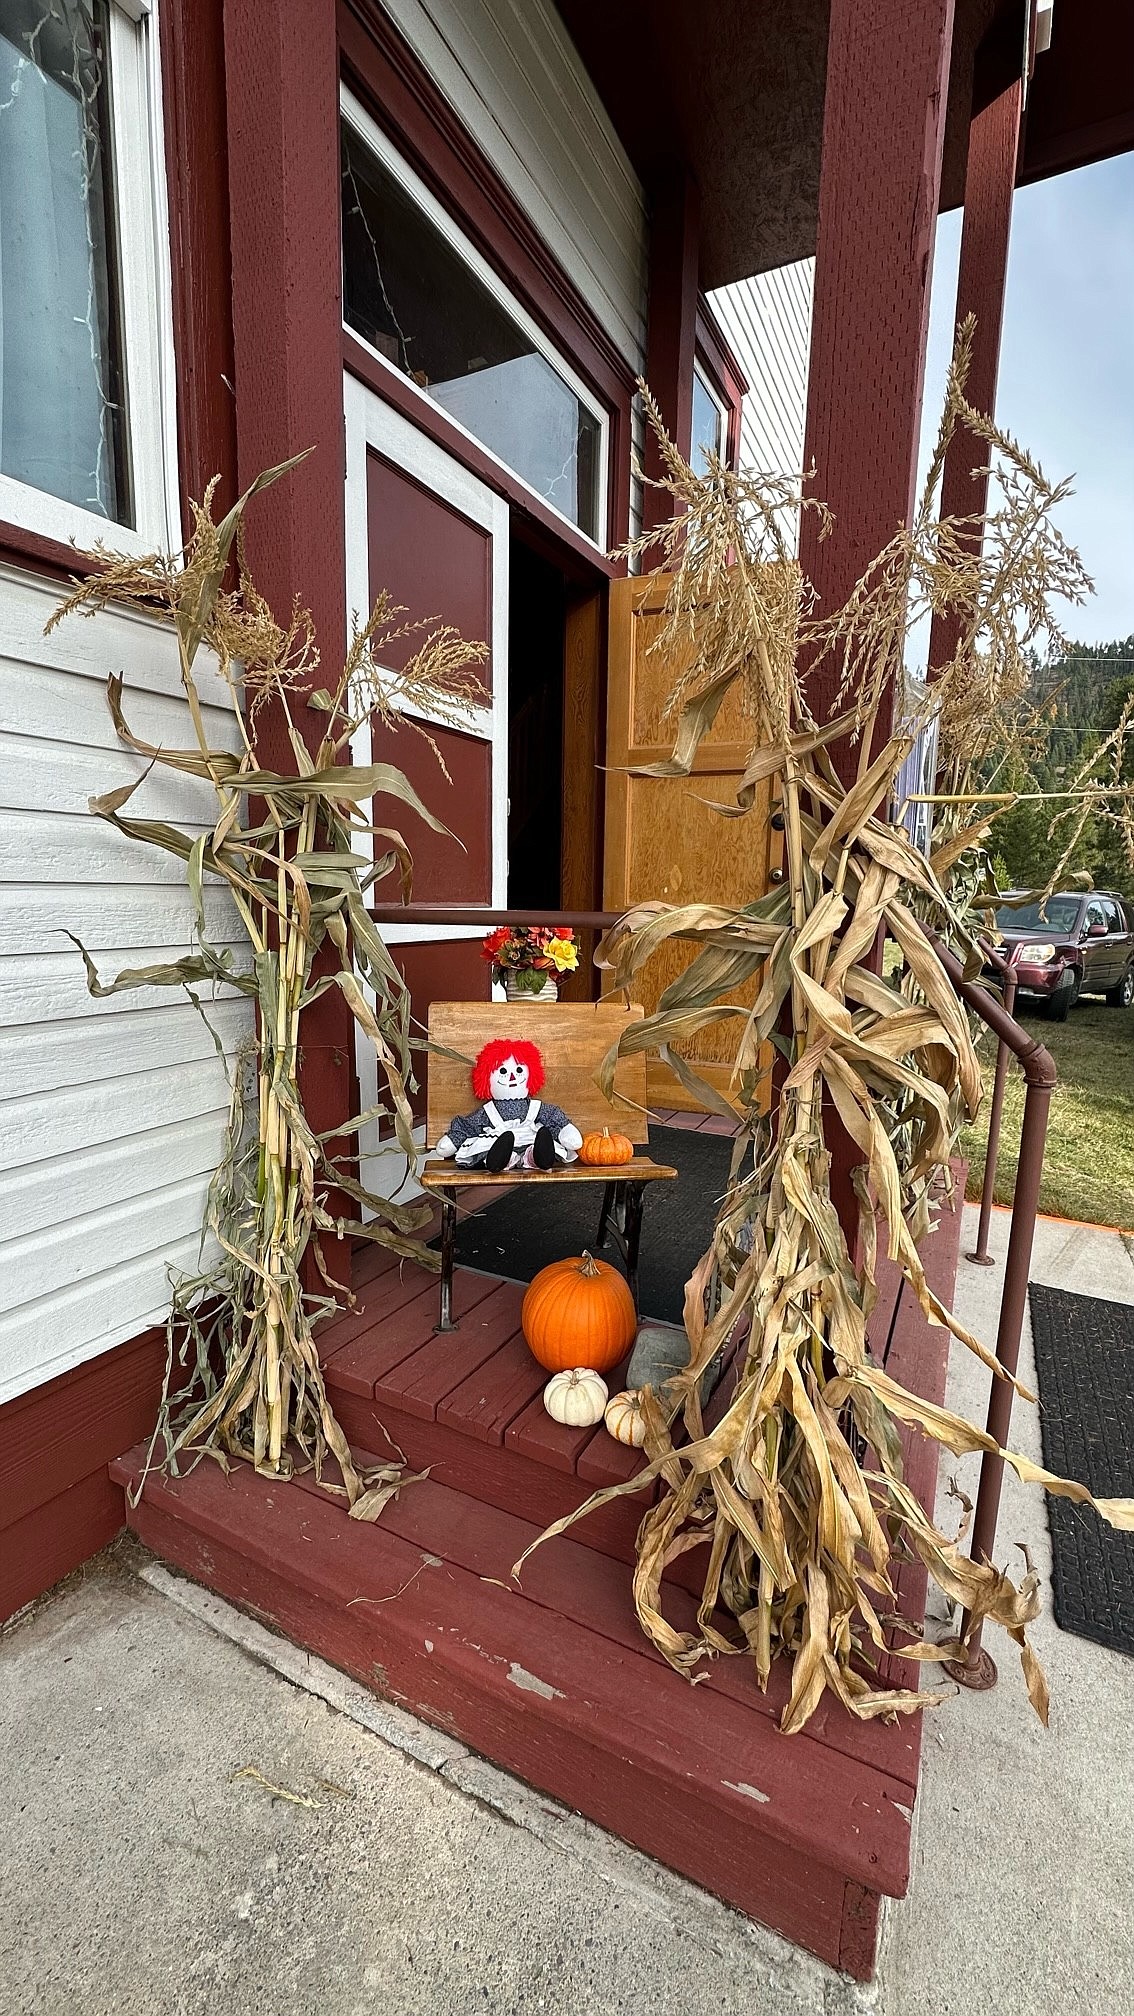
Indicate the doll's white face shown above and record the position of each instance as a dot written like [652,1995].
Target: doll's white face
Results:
[509,1080]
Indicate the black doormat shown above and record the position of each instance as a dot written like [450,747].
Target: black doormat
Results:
[1085,1364]
[533,1225]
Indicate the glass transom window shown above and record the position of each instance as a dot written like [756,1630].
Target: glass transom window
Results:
[62,405]
[708,423]
[416,296]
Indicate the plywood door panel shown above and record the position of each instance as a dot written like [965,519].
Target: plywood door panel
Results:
[450,867]
[451,970]
[422,527]
[663,840]
[430,558]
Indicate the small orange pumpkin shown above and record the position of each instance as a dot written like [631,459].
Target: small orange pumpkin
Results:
[578,1312]
[606,1150]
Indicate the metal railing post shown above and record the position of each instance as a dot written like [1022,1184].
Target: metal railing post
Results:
[978,1669]
[982,1257]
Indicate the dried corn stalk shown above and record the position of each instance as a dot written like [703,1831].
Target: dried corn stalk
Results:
[799,1491]
[283,845]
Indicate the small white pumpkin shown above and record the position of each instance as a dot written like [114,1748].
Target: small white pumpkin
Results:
[624,1419]
[576,1398]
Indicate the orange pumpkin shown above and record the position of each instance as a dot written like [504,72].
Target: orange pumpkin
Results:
[606,1150]
[578,1312]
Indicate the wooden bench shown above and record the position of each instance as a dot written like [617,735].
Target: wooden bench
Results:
[573,1038]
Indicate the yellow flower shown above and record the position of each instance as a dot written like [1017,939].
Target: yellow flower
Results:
[563,953]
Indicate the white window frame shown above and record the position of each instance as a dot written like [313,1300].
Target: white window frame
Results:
[142,212]
[700,374]
[371,133]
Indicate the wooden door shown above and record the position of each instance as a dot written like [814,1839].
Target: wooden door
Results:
[662,841]
[420,525]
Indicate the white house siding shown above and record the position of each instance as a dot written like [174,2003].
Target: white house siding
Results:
[111,1112]
[512,73]
[767,320]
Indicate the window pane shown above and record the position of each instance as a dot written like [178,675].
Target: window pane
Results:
[62,417]
[706,425]
[1057,914]
[407,290]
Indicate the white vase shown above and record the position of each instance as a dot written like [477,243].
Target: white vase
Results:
[512,988]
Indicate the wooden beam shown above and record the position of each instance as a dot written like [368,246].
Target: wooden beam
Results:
[879,189]
[883,127]
[193,92]
[282,66]
[672,335]
[283,139]
[994,138]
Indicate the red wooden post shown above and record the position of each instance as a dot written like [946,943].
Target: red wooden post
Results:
[883,127]
[282,68]
[193,90]
[879,185]
[990,178]
[672,334]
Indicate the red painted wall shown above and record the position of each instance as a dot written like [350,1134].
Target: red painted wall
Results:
[57,1503]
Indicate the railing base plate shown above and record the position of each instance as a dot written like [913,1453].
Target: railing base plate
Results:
[980,1674]
[981,1259]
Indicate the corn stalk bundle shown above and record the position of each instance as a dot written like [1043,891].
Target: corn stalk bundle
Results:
[799,1491]
[293,848]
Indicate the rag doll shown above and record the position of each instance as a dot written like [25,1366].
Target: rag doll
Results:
[512,1128]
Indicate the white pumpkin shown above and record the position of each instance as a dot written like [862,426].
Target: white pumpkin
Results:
[576,1398]
[624,1420]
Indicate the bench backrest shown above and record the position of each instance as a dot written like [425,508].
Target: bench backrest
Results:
[573,1038]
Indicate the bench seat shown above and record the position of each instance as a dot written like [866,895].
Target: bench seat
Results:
[439,1175]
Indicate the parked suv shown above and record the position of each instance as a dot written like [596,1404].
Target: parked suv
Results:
[1070,945]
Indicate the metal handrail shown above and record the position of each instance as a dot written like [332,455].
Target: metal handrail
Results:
[488,915]
[982,1257]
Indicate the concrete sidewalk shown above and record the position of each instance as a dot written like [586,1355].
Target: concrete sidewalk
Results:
[1022,1899]
[365,1863]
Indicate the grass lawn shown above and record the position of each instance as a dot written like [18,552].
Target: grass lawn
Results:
[1088,1169]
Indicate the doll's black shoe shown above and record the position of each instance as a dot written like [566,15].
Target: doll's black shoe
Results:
[543,1149]
[500,1154]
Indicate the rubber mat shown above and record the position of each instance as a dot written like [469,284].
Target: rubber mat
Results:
[1085,1366]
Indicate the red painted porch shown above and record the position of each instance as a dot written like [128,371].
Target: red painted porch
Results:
[555,1681]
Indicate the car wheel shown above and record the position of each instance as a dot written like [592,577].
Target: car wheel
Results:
[1062,1000]
[1122,995]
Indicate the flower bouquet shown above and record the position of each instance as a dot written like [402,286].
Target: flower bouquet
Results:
[527,959]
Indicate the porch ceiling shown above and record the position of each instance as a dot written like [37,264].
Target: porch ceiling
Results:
[735,88]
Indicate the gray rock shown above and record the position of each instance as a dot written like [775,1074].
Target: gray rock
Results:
[659,1352]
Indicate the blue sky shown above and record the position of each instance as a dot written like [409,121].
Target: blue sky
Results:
[1066,364]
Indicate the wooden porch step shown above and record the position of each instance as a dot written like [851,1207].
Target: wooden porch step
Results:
[467,1404]
[556,1683]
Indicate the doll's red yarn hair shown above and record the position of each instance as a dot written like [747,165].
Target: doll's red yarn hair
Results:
[494,1054]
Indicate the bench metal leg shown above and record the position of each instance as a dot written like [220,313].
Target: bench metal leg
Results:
[448,1234]
[632,1233]
[605,1214]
